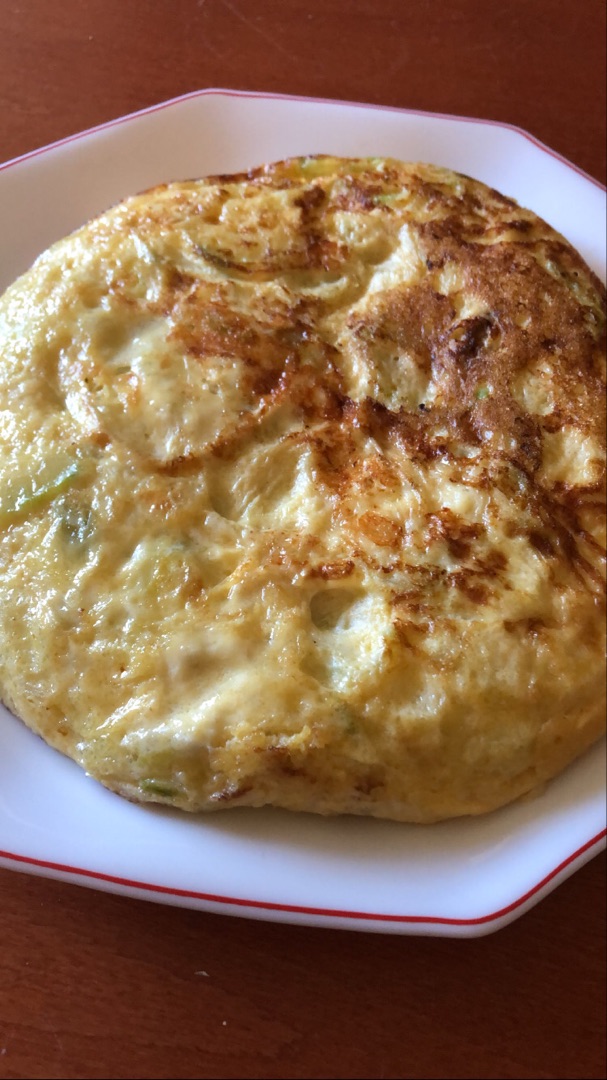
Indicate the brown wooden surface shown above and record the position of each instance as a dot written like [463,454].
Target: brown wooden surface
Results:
[93,985]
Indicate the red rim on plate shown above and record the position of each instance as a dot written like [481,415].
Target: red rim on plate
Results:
[151,891]
[587,850]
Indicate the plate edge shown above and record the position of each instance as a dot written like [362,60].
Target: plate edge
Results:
[276,96]
[479,924]
[236,905]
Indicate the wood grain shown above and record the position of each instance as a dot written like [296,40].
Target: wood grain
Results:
[539,64]
[93,985]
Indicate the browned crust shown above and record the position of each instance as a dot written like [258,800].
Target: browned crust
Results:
[536,303]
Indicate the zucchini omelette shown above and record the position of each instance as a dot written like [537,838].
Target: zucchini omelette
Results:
[302,477]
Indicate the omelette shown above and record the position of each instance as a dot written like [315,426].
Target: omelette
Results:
[302,478]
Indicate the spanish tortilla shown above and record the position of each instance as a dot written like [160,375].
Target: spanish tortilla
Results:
[302,494]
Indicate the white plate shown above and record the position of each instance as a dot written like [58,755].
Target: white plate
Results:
[460,878]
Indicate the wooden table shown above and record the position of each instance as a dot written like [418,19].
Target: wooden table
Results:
[94,985]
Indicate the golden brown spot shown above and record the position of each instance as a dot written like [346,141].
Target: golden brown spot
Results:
[279,757]
[310,200]
[407,631]
[458,534]
[179,281]
[529,625]
[493,563]
[332,571]
[100,439]
[370,781]
[467,582]
[231,792]
[360,194]
[541,543]
[468,337]
[381,530]
[412,319]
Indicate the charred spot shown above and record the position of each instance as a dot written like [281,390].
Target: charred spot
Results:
[476,230]
[530,625]
[553,422]
[529,442]
[324,403]
[520,225]
[265,382]
[435,263]
[371,416]
[388,568]
[581,496]
[469,337]
[313,197]
[458,548]
[541,543]
[549,343]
